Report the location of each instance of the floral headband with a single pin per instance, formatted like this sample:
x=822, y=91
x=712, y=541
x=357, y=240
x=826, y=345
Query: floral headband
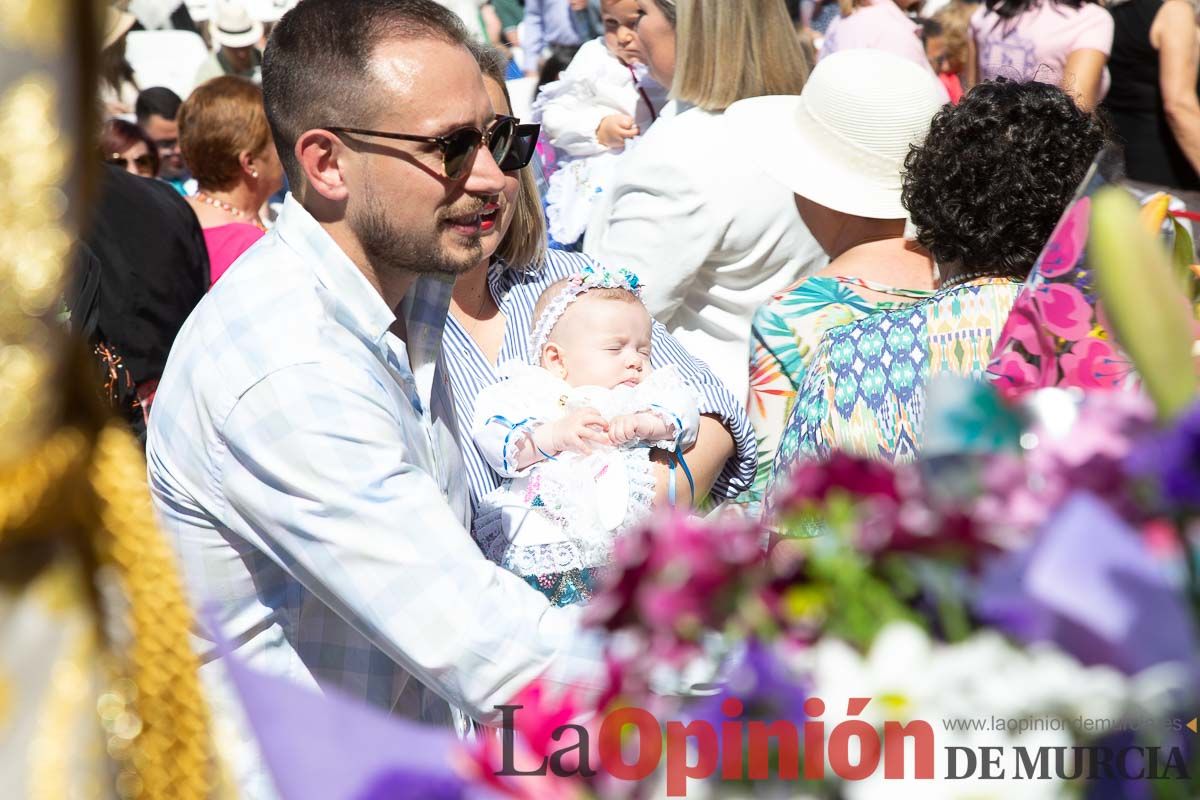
x=577, y=284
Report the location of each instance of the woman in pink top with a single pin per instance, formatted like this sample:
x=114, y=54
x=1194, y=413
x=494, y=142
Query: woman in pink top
x=1063, y=42
x=226, y=142
x=876, y=25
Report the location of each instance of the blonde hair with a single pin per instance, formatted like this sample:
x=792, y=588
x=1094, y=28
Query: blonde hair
x=729, y=51
x=847, y=7
x=524, y=243
x=955, y=20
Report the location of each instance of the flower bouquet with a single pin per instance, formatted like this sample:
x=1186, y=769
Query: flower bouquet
x=1014, y=615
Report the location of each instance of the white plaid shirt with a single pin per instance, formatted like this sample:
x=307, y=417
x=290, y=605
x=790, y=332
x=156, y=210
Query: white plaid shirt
x=304, y=462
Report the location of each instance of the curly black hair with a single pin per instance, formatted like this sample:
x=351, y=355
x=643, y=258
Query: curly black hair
x=987, y=186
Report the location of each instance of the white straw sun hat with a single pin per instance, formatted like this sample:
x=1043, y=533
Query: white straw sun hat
x=232, y=26
x=842, y=143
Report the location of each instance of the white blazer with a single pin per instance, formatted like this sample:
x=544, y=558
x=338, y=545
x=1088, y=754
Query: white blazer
x=710, y=235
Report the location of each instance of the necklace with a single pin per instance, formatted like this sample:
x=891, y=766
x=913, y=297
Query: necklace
x=228, y=208
x=966, y=277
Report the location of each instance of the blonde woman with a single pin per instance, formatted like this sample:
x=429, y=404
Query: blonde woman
x=689, y=210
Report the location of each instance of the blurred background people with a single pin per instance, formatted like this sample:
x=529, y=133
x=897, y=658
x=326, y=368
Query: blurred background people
x=235, y=37
x=603, y=100
x=550, y=39
x=118, y=85
x=140, y=269
x=876, y=24
x=126, y=146
x=227, y=143
x=1063, y=42
x=157, y=109
x=1152, y=103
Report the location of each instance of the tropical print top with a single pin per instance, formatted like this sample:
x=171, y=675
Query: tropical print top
x=864, y=392
x=783, y=339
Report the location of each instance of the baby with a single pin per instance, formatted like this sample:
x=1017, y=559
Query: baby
x=601, y=102
x=572, y=435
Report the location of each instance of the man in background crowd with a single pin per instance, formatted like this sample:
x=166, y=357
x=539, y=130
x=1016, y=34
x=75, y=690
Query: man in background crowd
x=236, y=35
x=157, y=108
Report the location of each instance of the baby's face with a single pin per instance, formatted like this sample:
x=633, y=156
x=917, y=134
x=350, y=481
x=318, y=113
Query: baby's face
x=620, y=20
x=604, y=342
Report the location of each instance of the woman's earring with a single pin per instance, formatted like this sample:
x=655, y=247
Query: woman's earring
x=253, y=173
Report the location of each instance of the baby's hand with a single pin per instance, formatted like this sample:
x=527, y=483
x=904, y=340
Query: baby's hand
x=615, y=129
x=640, y=426
x=572, y=432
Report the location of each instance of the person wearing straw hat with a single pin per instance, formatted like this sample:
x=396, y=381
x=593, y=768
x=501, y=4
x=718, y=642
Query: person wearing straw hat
x=236, y=35
x=840, y=148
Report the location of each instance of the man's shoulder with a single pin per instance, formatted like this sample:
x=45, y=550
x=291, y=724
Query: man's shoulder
x=266, y=314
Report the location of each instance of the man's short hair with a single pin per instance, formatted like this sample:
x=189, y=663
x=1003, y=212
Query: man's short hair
x=157, y=101
x=316, y=68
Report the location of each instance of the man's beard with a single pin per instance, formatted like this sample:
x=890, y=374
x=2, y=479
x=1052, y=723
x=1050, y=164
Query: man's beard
x=388, y=247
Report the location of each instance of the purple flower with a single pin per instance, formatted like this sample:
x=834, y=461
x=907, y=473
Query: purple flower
x=762, y=683
x=1089, y=584
x=1171, y=459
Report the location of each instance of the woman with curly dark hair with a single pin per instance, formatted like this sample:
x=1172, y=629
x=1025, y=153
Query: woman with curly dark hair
x=984, y=191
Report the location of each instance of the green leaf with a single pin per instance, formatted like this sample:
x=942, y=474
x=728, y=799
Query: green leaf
x=1152, y=319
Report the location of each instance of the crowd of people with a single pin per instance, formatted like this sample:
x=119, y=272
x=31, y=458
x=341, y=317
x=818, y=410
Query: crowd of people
x=429, y=361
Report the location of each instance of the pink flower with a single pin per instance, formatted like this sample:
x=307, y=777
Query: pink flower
x=1094, y=364
x=1013, y=376
x=1013, y=373
x=1063, y=310
x=1067, y=243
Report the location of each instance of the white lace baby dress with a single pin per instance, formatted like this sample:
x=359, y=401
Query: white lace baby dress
x=561, y=516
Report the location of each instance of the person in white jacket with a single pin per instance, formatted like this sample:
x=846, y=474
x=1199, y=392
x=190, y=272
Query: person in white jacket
x=602, y=101
x=711, y=234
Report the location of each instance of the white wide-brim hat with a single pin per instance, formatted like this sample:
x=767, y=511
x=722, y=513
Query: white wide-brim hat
x=843, y=141
x=232, y=26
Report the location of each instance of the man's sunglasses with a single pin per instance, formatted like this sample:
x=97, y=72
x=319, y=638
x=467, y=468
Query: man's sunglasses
x=459, y=147
x=143, y=163
x=524, y=145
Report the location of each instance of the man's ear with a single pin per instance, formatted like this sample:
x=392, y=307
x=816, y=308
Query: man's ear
x=322, y=159
x=552, y=361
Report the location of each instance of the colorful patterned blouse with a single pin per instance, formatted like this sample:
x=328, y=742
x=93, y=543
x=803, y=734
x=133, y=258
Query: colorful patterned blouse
x=864, y=392
x=784, y=337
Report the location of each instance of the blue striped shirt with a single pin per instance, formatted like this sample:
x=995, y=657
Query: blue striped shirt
x=515, y=293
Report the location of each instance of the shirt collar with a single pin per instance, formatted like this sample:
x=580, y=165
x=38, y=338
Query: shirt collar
x=357, y=304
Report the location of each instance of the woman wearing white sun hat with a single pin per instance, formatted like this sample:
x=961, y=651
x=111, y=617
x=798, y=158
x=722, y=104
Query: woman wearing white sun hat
x=839, y=148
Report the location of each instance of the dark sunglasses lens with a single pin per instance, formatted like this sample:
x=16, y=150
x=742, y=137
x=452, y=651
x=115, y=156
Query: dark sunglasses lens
x=115, y=162
x=502, y=138
x=460, y=151
x=523, y=146
x=144, y=162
